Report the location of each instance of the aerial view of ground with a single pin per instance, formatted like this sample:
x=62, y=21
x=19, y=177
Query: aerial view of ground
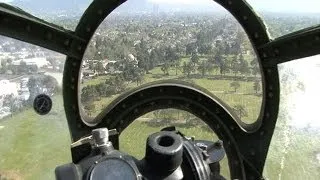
x=128, y=50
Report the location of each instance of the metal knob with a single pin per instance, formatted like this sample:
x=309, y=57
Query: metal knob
x=100, y=136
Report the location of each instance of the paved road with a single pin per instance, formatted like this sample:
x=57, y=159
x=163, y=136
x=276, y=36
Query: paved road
x=16, y=79
x=223, y=92
x=143, y=119
x=56, y=75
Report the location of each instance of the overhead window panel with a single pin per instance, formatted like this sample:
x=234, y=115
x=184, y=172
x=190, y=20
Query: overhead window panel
x=287, y=16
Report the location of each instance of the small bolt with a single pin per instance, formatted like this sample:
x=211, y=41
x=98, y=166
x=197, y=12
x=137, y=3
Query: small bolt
x=28, y=28
x=252, y=152
x=79, y=125
x=267, y=115
x=218, y=144
x=66, y=42
x=202, y=146
x=205, y=155
x=49, y=36
x=264, y=55
x=193, y=138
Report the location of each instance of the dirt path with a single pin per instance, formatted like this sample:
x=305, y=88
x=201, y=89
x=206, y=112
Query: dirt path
x=144, y=119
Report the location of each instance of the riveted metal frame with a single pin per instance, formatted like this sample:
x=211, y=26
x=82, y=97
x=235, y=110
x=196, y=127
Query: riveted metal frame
x=253, y=156
x=292, y=46
x=250, y=142
x=22, y=26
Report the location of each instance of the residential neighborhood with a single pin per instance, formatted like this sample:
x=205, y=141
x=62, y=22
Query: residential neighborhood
x=18, y=63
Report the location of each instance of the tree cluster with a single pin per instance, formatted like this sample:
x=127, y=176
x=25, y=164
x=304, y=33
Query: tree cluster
x=42, y=84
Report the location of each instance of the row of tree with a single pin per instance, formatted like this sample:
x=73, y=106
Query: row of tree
x=39, y=84
x=233, y=64
x=92, y=93
x=256, y=86
x=165, y=117
x=223, y=60
x=22, y=68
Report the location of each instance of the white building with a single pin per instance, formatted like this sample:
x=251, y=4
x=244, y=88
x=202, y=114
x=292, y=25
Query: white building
x=39, y=61
x=10, y=89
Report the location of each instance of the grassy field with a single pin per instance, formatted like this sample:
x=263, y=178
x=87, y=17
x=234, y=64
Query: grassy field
x=245, y=94
x=32, y=146
x=292, y=155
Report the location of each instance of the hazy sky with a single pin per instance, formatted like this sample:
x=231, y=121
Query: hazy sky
x=266, y=5
x=312, y=6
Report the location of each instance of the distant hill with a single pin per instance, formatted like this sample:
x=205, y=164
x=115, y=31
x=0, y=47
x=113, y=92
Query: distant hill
x=51, y=6
x=74, y=6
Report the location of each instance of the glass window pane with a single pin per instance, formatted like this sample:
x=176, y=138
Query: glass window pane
x=287, y=16
x=31, y=145
x=65, y=13
x=294, y=152
x=206, y=48
x=154, y=121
